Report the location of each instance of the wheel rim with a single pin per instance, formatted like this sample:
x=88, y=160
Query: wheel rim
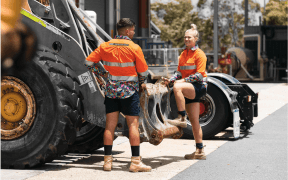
x=207, y=110
x=18, y=108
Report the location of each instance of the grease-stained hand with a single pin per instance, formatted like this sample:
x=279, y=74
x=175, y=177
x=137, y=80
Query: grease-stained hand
x=142, y=87
x=106, y=75
x=165, y=81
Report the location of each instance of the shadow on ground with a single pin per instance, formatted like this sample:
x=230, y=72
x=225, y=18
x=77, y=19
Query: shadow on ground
x=119, y=163
x=94, y=161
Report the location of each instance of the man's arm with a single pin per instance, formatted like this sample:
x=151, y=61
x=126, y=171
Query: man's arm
x=91, y=61
x=94, y=68
x=141, y=66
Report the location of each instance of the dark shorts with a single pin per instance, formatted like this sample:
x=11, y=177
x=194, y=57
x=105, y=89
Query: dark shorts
x=129, y=106
x=200, y=91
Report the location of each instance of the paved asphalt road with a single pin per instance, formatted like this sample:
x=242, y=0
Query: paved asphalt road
x=260, y=154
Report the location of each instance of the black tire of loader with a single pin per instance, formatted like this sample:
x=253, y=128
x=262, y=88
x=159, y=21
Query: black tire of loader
x=221, y=117
x=88, y=139
x=58, y=106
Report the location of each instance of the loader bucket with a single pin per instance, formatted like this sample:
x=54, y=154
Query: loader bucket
x=155, y=109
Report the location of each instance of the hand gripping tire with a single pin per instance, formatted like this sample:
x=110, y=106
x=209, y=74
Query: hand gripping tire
x=55, y=88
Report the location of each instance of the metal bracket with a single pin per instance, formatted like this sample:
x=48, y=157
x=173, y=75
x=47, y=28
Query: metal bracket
x=236, y=123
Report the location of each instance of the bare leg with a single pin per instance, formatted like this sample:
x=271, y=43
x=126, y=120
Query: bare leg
x=133, y=124
x=193, y=110
x=136, y=164
x=181, y=90
x=111, y=123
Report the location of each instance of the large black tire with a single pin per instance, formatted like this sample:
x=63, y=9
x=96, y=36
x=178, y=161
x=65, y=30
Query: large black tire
x=88, y=139
x=217, y=117
x=58, y=112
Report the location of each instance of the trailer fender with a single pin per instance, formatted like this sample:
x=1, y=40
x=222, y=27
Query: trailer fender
x=224, y=77
x=230, y=95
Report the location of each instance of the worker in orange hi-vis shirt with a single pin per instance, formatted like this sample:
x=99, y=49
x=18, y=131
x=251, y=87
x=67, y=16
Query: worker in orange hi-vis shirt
x=189, y=85
x=126, y=70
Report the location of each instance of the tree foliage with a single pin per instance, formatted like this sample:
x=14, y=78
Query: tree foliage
x=276, y=12
x=175, y=17
x=253, y=8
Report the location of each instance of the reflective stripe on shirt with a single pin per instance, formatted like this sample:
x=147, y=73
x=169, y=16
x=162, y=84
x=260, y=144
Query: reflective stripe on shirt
x=117, y=44
x=123, y=78
x=143, y=73
x=119, y=64
x=188, y=67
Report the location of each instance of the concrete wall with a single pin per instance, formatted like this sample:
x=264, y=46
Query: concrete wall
x=128, y=9
x=99, y=7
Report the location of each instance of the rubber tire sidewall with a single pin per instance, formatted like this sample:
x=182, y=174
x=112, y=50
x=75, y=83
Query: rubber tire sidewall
x=40, y=139
x=91, y=139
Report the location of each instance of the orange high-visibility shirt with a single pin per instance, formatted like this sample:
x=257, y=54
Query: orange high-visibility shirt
x=121, y=58
x=192, y=61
